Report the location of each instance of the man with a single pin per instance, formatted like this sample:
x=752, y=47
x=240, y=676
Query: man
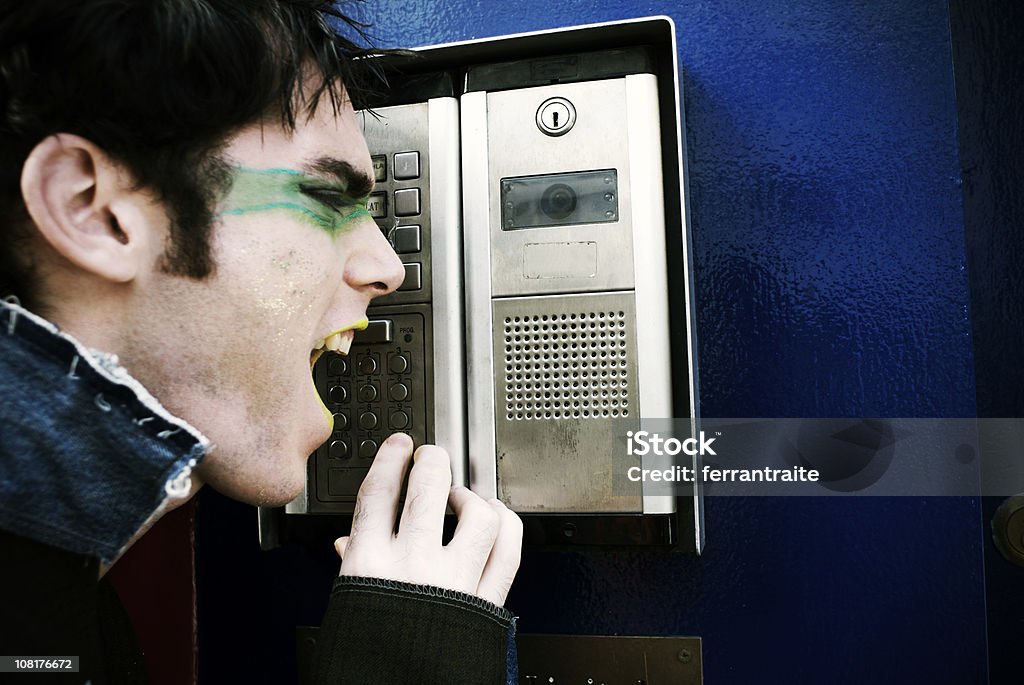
x=182, y=194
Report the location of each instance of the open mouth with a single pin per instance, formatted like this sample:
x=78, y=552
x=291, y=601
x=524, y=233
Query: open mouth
x=339, y=342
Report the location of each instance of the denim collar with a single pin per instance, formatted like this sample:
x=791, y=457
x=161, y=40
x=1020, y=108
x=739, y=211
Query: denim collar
x=86, y=453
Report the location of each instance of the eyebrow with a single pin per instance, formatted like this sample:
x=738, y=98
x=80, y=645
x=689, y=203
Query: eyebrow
x=356, y=181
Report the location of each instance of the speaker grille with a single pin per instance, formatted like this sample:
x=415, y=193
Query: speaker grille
x=566, y=366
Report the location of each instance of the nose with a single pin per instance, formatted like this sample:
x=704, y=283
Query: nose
x=373, y=267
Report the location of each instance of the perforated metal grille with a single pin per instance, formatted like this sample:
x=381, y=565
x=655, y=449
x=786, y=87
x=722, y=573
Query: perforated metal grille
x=566, y=366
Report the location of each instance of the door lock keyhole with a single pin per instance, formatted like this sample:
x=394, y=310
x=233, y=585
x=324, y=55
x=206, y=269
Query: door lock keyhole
x=556, y=116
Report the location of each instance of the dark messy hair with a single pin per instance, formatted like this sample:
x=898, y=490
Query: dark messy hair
x=160, y=85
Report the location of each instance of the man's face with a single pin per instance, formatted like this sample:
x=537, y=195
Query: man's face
x=298, y=260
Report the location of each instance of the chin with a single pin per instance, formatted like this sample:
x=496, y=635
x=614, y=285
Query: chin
x=259, y=487
x=276, y=500
x=276, y=494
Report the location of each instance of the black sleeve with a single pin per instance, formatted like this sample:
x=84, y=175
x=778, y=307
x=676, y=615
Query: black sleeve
x=382, y=632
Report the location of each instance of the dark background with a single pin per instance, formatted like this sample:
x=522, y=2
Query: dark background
x=989, y=65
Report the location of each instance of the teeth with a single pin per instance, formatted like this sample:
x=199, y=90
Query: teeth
x=345, y=344
x=338, y=342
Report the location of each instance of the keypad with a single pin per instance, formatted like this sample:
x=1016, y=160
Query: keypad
x=379, y=388
x=383, y=384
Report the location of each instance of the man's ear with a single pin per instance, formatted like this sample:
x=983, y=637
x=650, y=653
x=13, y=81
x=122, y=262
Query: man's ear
x=83, y=204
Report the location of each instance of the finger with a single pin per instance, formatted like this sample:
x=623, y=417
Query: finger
x=340, y=545
x=475, y=533
x=426, y=497
x=377, y=501
x=506, y=553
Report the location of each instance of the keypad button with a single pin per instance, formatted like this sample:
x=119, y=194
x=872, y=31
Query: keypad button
x=377, y=205
x=398, y=364
x=344, y=482
x=413, y=277
x=367, y=393
x=367, y=365
x=399, y=392
x=367, y=449
x=399, y=420
x=380, y=167
x=406, y=239
x=407, y=165
x=407, y=202
x=340, y=421
x=368, y=420
x=338, y=449
x=376, y=332
x=338, y=394
x=338, y=366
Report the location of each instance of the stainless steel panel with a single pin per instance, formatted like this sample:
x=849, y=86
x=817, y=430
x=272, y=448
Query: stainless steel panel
x=479, y=353
x=655, y=359
x=565, y=376
x=444, y=201
x=517, y=147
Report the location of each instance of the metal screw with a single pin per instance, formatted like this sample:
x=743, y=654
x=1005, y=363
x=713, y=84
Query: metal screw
x=684, y=656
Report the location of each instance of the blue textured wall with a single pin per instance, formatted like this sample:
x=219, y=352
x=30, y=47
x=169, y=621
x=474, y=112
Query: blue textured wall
x=829, y=246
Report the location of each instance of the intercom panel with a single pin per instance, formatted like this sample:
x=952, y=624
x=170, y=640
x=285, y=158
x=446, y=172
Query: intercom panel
x=567, y=179
x=534, y=188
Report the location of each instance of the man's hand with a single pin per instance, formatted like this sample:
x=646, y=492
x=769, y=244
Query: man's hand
x=482, y=557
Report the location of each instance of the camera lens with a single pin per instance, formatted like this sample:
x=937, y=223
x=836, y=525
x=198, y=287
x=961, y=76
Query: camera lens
x=558, y=201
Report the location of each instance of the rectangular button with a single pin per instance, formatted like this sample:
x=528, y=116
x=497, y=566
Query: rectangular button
x=379, y=331
x=413, y=279
x=380, y=167
x=407, y=165
x=406, y=239
x=377, y=205
x=407, y=202
x=344, y=481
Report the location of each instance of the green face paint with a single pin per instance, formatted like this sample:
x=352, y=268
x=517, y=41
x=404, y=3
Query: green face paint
x=322, y=203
